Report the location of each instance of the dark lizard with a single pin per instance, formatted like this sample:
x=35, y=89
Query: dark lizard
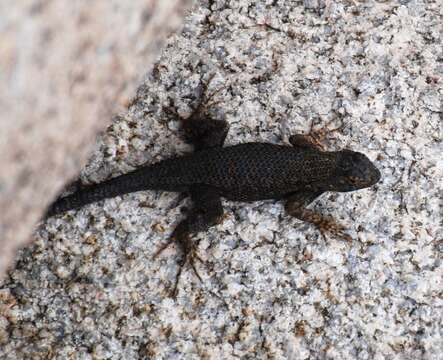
x=297, y=174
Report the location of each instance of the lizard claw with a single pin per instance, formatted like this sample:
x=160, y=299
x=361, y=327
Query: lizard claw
x=317, y=136
x=189, y=255
x=187, y=259
x=327, y=224
x=189, y=252
x=163, y=248
x=324, y=223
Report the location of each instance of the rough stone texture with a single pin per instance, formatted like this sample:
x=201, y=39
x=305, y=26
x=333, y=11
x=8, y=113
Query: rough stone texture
x=65, y=67
x=272, y=287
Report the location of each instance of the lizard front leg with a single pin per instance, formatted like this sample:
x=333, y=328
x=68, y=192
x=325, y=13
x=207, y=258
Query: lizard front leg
x=313, y=139
x=207, y=211
x=304, y=142
x=296, y=206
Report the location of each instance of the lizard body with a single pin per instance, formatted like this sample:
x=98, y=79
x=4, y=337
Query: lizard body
x=244, y=172
x=254, y=171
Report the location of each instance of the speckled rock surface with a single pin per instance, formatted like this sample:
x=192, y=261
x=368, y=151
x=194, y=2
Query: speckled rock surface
x=273, y=287
x=65, y=67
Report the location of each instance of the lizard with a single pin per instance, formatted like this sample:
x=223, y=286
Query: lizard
x=297, y=173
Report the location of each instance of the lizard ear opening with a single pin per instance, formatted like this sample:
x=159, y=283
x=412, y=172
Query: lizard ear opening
x=347, y=161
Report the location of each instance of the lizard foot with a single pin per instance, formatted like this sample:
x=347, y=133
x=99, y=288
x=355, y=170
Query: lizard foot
x=201, y=130
x=188, y=258
x=325, y=224
x=206, y=99
x=317, y=136
x=189, y=255
x=207, y=211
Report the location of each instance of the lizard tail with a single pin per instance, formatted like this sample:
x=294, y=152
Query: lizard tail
x=131, y=182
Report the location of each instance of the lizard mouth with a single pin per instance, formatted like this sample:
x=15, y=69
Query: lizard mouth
x=377, y=175
x=373, y=175
x=370, y=173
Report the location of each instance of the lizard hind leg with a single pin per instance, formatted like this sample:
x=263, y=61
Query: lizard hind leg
x=207, y=211
x=204, y=133
x=199, y=129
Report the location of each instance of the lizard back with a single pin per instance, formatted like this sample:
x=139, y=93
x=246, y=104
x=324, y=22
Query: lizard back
x=258, y=171
x=243, y=172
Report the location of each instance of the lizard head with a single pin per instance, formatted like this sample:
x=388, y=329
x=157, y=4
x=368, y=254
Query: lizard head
x=355, y=171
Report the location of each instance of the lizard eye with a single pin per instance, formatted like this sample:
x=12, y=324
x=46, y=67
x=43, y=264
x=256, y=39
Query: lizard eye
x=346, y=166
x=350, y=161
x=354, y=180
x=347, y=162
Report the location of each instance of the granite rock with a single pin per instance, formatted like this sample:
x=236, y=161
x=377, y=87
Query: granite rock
x=273, y=287
x=65, y=68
